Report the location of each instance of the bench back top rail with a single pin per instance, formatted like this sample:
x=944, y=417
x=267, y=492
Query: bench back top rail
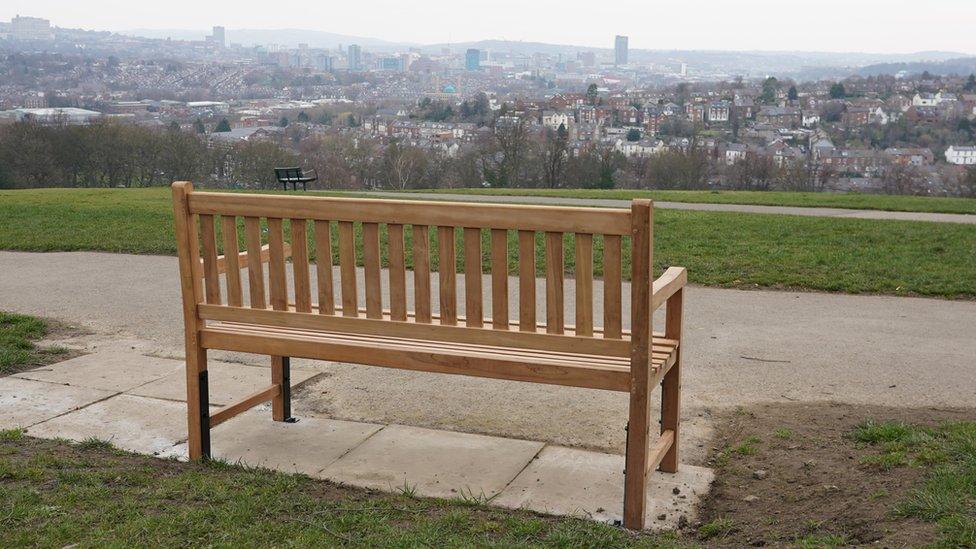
x=437, y=238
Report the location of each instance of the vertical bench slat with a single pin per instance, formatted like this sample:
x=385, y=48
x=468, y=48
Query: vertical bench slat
x=499, y=279
x=371, y=268
x=584, y=284
x=398, y=274
x=421, y=273
x=447, y=275
x=299, y=265
x=473, y=308
x=554, y=283
x=228, y=226
x=255, y=268
x=347, y=268
x=611, y=287
x=277, y=281
x=323, y=266
x=210, y=274
x=527, y=281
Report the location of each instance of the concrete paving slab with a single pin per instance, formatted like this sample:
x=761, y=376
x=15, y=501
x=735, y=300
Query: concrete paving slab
x=229, y=382
x=137, y=424
x=435, y=463
x=111, y=370
x=307, y=446
x=25, y=402
x=569, y=481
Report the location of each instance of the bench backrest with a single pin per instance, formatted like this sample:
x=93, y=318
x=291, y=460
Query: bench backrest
x=288, y=174
x=435, y=238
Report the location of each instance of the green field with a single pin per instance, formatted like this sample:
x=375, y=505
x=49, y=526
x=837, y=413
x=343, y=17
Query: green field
x=855, y=201
x=718, y=248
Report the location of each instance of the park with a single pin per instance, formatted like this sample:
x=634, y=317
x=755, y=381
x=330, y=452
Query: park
x=637, y=368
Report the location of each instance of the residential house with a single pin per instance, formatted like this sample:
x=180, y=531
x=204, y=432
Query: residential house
x=961, y=156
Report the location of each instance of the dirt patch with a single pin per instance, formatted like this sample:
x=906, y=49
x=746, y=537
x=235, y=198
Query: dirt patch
x=36, y=343
x=790, y=474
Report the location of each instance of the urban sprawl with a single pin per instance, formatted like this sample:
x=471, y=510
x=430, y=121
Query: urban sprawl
x=86, y=108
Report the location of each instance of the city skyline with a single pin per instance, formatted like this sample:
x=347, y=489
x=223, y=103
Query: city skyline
x=754, y=25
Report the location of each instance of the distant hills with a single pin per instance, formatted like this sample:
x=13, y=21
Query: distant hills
x=960, y=66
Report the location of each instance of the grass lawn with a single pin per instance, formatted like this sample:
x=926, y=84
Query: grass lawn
x=18, y=350
x=56, y=494
x=855, y=201
x=718, y=248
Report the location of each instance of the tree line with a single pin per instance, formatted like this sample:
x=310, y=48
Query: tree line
x=513, y=154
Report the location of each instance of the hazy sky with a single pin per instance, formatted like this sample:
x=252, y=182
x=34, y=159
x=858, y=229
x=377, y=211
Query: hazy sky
x=884, y=26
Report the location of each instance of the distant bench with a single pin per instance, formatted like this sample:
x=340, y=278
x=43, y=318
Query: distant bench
x=295, y=176
x=390, y=335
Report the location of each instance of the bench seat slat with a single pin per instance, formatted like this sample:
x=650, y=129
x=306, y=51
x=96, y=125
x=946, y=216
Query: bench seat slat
x=408, y=356
x=418, y=330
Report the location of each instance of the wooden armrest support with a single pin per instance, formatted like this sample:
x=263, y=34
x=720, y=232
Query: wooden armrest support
x=670, y=282
x=242, y=258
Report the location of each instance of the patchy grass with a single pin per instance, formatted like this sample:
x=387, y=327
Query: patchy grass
x=855, y=201
x=18, y=350
x=718, y=248
x=948, y=454
x=54, y=494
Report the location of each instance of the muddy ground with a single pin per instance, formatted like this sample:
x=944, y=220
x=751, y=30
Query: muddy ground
x=789, y=474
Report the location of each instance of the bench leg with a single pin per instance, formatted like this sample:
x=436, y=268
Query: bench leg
x=635, y=474
x=281, y=376
x=670, y=410
x=671, y=384
x=197, y=404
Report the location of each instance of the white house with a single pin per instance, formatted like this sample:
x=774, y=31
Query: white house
x=961, y=156
x=553, y=119
x=735, y=152
x=925, y=100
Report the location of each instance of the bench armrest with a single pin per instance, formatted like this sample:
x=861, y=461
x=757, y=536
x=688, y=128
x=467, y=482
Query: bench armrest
x=242, y=258
x=670, y=282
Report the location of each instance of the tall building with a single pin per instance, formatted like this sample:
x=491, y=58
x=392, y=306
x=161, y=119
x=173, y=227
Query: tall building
x=30, y=28
x=472, y=59
x=219, y=37
x=355, y=57
x=620, y=50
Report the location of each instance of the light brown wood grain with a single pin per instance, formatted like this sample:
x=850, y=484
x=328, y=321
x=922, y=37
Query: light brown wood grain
x=373, y=286
x=638, y=424
x=584, y=284
x=277, y=280
x=447, y=275
x=211, y=276
x=255, y=268
x=555, y=307
x=299, y=265
x=232, y=260
x=612, y=315
x=347, y=268
x=416, y=212
x=323, y=266
x=527, y=281
x=398, y=273
x=472, y=278
x=421, y=272
x=499, y=279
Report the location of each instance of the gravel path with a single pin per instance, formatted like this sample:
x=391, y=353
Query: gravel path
x=608, y=203
x=743, y=347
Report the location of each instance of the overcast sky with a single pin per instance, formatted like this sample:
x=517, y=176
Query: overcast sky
x=882, y=26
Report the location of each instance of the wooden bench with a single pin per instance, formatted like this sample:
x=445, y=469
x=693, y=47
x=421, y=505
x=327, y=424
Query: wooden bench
x=295, y=176
x=285, y=322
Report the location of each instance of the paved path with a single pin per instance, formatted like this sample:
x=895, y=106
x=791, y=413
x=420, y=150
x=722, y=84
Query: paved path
x=608, y=203
x=743, y=347
x=135, y=402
